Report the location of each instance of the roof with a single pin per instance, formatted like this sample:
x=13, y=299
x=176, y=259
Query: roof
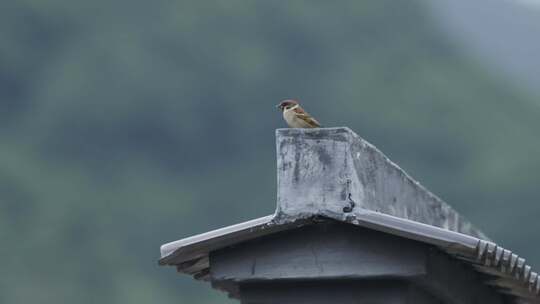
x=504, y=270
x=332, y=173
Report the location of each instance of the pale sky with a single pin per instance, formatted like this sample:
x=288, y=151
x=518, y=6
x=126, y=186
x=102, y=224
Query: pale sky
x=501, y=34
x=535, y=3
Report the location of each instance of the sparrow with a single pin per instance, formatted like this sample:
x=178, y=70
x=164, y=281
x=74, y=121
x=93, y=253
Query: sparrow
x=295, y=116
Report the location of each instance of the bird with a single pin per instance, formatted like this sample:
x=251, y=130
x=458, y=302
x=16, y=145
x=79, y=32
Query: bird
x=295, y=116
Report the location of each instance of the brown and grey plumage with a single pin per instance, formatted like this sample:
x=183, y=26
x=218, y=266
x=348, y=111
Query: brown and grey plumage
x=295, y=116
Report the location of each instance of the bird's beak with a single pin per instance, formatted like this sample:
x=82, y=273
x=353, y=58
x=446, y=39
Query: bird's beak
x=279, y=106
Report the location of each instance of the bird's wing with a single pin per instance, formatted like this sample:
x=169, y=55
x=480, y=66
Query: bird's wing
x=312, y=122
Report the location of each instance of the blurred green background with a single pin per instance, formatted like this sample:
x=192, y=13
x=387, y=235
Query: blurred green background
x=128, y=124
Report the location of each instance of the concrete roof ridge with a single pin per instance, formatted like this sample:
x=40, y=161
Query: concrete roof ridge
x=323, y=169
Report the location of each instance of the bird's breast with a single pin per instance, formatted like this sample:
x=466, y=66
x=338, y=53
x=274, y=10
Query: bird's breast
x=292, y=120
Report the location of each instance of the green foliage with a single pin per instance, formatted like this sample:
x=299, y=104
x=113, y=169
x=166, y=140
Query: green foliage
x=127, y=124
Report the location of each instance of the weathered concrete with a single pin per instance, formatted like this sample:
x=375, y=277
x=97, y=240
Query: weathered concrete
x=327, y=171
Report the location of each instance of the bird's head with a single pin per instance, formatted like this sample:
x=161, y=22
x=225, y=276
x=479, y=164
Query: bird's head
x=287, y=104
